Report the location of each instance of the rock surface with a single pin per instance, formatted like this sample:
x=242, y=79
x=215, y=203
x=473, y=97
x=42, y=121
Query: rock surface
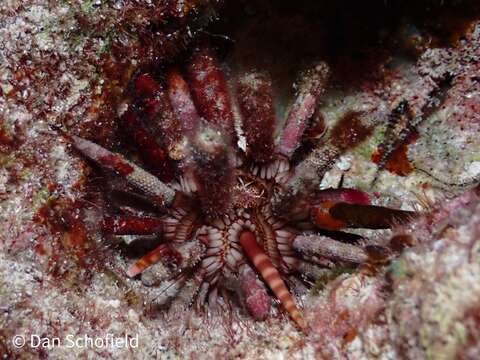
x=68, y=63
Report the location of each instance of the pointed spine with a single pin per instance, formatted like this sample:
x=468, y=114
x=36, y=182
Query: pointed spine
x=169, y=289
x=148, y=260
x=271, y=276
x=136, y=176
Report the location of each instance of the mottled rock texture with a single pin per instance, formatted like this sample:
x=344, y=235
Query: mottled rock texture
x=68, y=63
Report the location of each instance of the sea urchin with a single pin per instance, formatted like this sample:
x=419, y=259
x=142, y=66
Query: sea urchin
x=235, y=205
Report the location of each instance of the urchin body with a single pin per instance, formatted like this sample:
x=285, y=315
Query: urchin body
x=234, y=208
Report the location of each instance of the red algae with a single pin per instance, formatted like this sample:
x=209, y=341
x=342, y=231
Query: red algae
x=350, y=131
x=398, y=162
x=117, y=164
x=124, y=225
x=257, y=300
x=70, y=236
x=6, y=141
x=146, y=86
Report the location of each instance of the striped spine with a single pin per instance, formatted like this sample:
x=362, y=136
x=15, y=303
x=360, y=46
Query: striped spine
x=148, y=260
x=271, y=276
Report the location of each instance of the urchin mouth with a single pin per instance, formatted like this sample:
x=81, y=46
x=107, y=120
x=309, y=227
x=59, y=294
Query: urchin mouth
x=249, y=192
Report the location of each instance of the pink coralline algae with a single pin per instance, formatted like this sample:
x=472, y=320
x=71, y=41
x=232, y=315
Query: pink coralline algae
x=214, y=176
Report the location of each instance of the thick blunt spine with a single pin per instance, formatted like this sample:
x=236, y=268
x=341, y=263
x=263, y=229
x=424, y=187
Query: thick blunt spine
x=369, y=216
x=150, y=151
x=154, y=104
x=182, y=102
x=351, y=130
x=214, y=171
x=310, y=88
x=257, y=299
x=255, y=99
x=317, y=245
x=210, y=91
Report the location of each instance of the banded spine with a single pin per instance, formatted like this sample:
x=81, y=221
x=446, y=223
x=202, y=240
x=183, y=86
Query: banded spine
x=271, y=276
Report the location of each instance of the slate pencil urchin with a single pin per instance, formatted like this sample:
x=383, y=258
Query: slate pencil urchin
x=234, y=202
